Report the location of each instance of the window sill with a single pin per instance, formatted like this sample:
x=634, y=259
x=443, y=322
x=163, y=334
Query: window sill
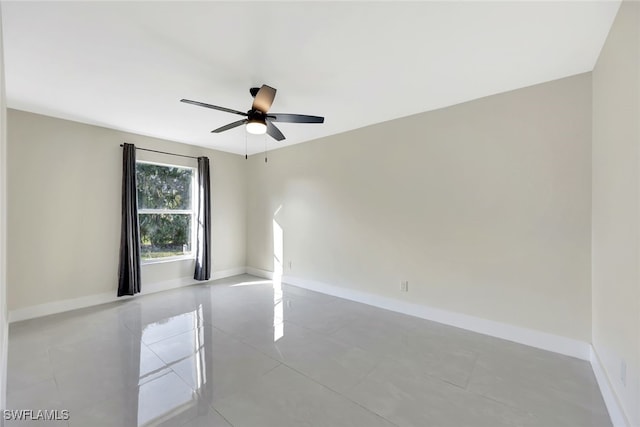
x=166, y=260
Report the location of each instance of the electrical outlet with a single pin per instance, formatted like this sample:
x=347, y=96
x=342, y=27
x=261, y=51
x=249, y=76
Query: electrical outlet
x=404, y=286
x=623, y=372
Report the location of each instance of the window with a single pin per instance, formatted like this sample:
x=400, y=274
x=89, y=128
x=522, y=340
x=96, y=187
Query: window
x=165, y=210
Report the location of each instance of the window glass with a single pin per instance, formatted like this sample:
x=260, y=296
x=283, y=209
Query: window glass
x=165, y=210
x=163, y=187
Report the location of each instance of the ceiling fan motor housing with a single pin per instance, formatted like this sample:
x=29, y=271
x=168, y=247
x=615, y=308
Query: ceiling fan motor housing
x=256, y=115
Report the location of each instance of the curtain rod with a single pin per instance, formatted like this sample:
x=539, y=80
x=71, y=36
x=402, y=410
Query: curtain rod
x=164, y=152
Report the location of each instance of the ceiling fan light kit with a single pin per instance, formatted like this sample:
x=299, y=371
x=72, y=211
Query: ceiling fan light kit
x=256, y=127
x=258, y=121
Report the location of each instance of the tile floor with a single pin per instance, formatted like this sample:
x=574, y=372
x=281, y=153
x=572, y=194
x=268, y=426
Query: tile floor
x=246, y=352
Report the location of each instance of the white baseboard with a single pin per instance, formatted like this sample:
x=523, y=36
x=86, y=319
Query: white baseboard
x=530, y=337
x=223, y=274
x=259, y=273
x=618, y=418
x=54, y=307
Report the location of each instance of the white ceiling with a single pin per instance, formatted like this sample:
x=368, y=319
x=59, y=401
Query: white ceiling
x=125, y=65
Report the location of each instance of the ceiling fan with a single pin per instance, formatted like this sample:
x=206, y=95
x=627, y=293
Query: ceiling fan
x=258, y=119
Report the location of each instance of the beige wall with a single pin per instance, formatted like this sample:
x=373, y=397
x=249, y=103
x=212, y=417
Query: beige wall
x=4, y=317
x=484, y=207
x=616, y=207
x=64, y=209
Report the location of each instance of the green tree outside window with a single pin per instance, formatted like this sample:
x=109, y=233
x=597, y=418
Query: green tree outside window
x=165, y=210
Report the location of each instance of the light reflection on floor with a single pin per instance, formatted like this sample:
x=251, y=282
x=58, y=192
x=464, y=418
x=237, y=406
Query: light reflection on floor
x=157, y=399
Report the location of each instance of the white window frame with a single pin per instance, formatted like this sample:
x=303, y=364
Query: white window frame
x=193, y=211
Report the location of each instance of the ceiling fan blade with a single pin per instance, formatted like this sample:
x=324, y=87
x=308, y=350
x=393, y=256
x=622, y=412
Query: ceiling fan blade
x=264, y=98
x=215, y=107
x=295, y=118
x=274, y=132
x=230, y=126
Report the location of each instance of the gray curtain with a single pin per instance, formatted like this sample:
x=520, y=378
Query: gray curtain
x=203, y=248
x=129, y=269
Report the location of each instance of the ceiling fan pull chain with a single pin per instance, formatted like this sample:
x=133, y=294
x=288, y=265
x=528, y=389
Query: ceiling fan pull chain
x=265, y=148
x=245, y=146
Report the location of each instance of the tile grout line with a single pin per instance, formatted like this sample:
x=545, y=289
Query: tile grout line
x=338, y=393
x=283, y=363
x=473, y=369
x=379, y=359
